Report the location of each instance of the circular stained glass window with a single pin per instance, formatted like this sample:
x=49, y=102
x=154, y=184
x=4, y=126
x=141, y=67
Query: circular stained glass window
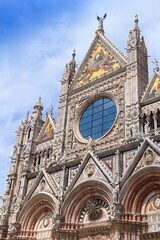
x=97, y=118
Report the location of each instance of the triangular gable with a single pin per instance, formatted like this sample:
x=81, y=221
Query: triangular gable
x=153, y=90
x=147, y=154
x=101, y=59
x=43, y=183
x=48, y=130
x=89, y=169
x=149, y=157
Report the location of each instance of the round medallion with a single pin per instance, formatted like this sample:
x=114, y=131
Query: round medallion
x=148, y=157
x=90, y=169
x=97, y=119
x=156, y=202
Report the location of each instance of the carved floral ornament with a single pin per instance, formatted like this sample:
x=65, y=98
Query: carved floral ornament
x=132, y=112
x=94, y=209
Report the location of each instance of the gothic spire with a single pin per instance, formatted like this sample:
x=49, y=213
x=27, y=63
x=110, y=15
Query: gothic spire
x=136, y=27
x=72, y=63
x=27, y=116
x=37, y=109
x=72, y=67
x=51, y=111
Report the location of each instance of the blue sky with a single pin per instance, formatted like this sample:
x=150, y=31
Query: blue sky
x=37, y=38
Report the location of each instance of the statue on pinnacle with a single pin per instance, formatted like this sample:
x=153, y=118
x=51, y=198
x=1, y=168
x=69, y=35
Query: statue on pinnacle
x=100, y=20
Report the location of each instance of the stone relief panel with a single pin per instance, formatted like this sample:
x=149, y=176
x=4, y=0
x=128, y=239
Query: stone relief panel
x=132, y=121
x=128, y=158
x=58, y=177
x=43, y=227
x=72, y=173
x=30, y=184
x=107, y=163
x=43, y=187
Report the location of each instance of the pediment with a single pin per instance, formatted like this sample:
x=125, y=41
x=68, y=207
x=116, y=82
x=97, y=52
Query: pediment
x=147, y=155
x=43, y=183
x=101, y=59
x=48, y=130
x=149, y=158
x=153, y=90
x=90, y=169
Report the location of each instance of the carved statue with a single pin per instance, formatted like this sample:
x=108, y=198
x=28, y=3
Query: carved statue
x=146, y=128
x=9, y=181
x=5, y=199
x=3, y=215
x=60, y=199
x=15, y=152
x=116, y=181
x=57, y=154
x=156, y=67
x=90, y=143
x=42, y=185
x=12, y=232
x=100, y=20
x=13, y=166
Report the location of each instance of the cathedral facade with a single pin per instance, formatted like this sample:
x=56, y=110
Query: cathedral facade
x=94, y=173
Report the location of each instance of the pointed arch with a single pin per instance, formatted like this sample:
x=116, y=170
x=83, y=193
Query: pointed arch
x=76, y=200
x=37, y=213
x=138, y=187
